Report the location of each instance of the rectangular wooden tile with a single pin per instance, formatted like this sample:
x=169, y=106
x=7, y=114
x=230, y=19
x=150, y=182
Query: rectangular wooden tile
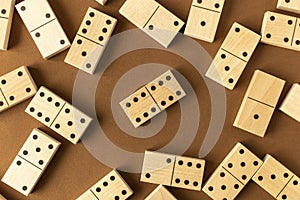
x=6, y=16
x=158, y=168
x=16, y=87
x=165, y=90
x=241, y=163
x=90, y=41
x=291, y=103
x=160, y=193
x=188, y=173
x=45, y=29
x=272, y=176
x=289, y=5
x=140, y=107
x=222, y=185
x=281, y=30
x=112, y=186
x=291, y=190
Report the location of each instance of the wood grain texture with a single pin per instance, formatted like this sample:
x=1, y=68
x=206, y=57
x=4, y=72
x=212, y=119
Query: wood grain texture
x=90, y=41
x=188, y=173
x=6, y=17
x=291, y=103
x=57, y=114
x=259, y=103
x=30, y=163
x=291, y=190
x=272, y=176
x=241, y=163
x=165, y=90
x=291, y=5
x=281, y=30
x=45, y=29
x=112, y=186
x=160, y=193
x=222, y=185
x=158, y=168
x=233, y=56
x=204, y=19
x=16, y=87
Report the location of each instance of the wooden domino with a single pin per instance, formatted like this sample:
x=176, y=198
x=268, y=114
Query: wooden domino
x=291, y=103
x=155, y=20
x=281, y=30
x=233, y=56
x=160, y=193
x=204, y=19
x=102, y=2
x=112, y=186
x=2, y=197
x=235, y=171
x=6, y=16
x=31, y=162
x=90, y=41
x=291, y=190
x=259, y=103
x=57, y=114
x=289, y=5
x=16, y=87
x=43, y=26
x=273, y=176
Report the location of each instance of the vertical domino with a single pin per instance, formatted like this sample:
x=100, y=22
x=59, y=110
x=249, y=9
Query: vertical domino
x=289, y=5
x=153, y=19
x=90, y=41
x=281, y=30
x=259, y=103
x=57, y=114
x=233, y=56
x=291, y=103
x=204, y=19
x=16, y=87
x=6, y=16
x=31, y=161
x=160, y=193
x=112, y=186
x=43, y=26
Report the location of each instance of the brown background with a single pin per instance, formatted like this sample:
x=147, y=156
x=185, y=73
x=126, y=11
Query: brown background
x=73, y=169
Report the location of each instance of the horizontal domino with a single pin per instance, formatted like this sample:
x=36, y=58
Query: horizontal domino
x=235, y=171
x=160, y=193
x=204, y=19
x=172, y=170
x=90, y=41
x=291, y=103
x=233, y=56
x=289, y=5
x=59, y=115
x=112, y=186
x=259, y=103
x=31, y=162
x=44, y=28
x=281, y=30
x=6, y=16
x=16, y=87
x=155, y=20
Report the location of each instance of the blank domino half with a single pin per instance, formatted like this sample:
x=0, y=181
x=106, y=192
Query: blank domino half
x=160, y=193
x=289, y=5
x=112, y=186
x=59, y=115
x=291, y=103
x=233, y=56
x=6, y=16
x=90, y=41
x=153, y=19
x=31, y=161
x=259, y=103
x=43, y=26
x=281, y=30
x=16, y=87
x=204, y=19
